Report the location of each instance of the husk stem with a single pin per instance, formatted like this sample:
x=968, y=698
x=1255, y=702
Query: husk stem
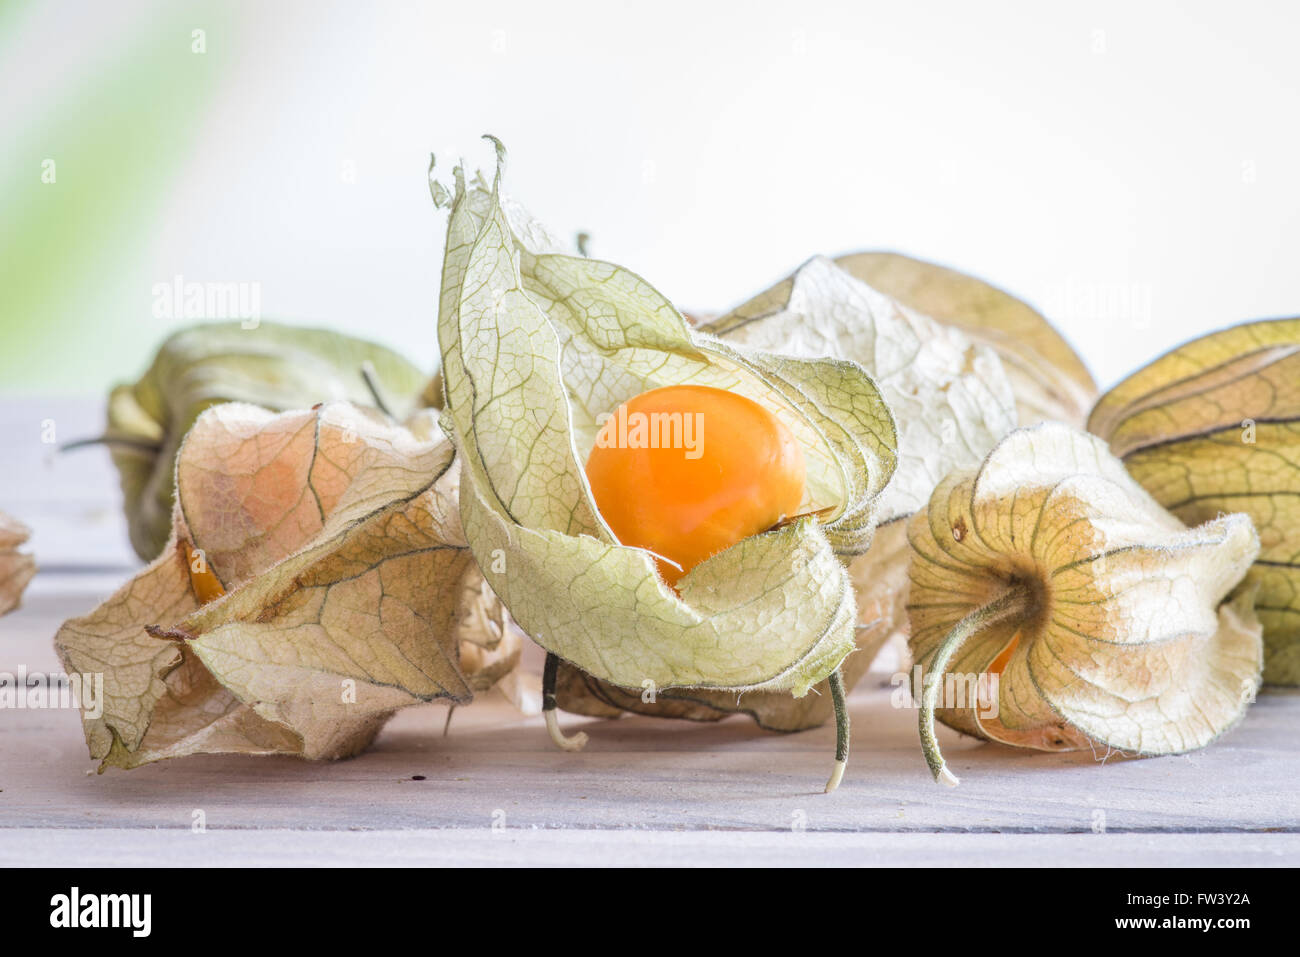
x=1015, y=600
x=111, y=443
x=565, y=742
x=841, y=731
x=371, y=378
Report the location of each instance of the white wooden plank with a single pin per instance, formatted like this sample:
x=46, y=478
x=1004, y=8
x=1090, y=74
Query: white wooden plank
x=599, y=848
x=71, y=501
x=642, y=773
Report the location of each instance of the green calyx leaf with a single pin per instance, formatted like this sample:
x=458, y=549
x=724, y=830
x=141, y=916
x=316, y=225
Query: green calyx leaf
x=537, y=346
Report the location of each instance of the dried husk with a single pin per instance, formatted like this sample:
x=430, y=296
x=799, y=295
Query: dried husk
x=273, y=366
x=951, y=400
x=313, y=584
x=16, y=567
x=1214, y=426
x=536, y=345
x=1115, y=635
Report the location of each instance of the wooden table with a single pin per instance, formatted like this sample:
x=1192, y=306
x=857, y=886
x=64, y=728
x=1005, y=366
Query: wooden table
x=644, y=792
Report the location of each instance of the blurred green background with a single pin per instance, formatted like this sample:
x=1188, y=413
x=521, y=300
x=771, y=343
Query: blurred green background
x=86, y=181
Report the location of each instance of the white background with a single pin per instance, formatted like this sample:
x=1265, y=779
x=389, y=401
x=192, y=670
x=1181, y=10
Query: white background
x=1128, y=168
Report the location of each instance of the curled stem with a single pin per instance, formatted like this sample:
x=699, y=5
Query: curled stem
x=574, y=743
x=841, y=731
x=1011, y=602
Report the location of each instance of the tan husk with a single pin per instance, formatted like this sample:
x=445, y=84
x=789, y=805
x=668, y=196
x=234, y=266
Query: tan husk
x=1111, y=629
x=332, y=543
x=16, y=568
x=1214, y=426
x=1050, y=381
x=273, y=366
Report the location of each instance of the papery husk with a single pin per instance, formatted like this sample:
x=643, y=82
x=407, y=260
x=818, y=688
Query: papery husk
x=1214, y=426
x=1050, y=381
x=536, y=345
x=952, y=401
x=313, y=585
x=1123, y=639
x=16, y=567
x=274, y=366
